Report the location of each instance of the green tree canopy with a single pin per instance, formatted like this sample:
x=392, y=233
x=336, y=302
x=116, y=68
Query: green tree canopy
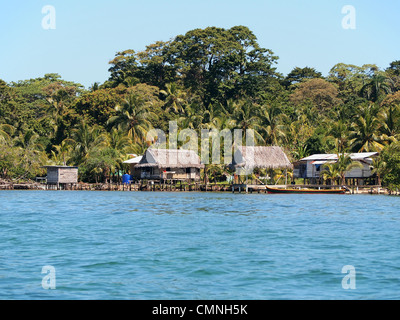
x=319, y=92
x=298, y=75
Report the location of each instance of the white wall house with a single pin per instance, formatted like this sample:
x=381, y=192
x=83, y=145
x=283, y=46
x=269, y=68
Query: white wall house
x=312, y=166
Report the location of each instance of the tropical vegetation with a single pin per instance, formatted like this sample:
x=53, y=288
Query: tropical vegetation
x=211, y=78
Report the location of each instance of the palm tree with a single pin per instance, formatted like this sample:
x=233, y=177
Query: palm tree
x=330, y=172
x=219, y=117
x=85, y=138
x=213, y=172
x=31, y=151
x=390, y=122
x=272, y=119
x=6, y=131
x=59, y=98
x=63, y=153
x=8, y=155
x=246, y=116
x=115, y=143
x=191, y=117
x=138, y=147
x=337, y=170
x=297, y=133
x=338, y=130
x=300, y=152
x=94, y=87
x=134, y=116
x=345, y=164
x=130, y=81
x=175, y=98
x=379, y=168
x=97, y=171
x=211, y=116
x=376, y=87
x=365, y=130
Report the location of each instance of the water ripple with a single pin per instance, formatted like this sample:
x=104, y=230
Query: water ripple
x=161, y=245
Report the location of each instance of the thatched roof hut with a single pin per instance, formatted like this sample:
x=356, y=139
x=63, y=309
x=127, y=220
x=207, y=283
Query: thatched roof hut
x=272, y=157
x=170, y=158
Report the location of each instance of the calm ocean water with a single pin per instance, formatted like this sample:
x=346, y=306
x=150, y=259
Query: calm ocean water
x=161, y=245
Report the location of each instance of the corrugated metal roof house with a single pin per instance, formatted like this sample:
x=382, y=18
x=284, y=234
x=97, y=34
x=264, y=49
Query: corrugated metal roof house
x=311, y=166
x=133, y=162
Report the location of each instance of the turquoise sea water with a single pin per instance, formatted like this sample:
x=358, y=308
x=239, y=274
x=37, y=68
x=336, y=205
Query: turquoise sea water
x=163, y=245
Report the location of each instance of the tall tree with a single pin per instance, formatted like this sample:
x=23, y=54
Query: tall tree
x=175, y=98
x=85, y=139
x=390, y=122
x=346, y=164
x=393, y=74
x=375, y=89
x=379, y=168
x=63, y=152
x=98, y=106
x=320, y=93
x=337, y=128
x=331, y=172
x=391, y=156
x=123, y=68
x=134, y=116
x=272, y=120
x=394, y=67
x=364, y=134
x=221, y=63
x=298, y=75
x=32, y=155
x=246, y=116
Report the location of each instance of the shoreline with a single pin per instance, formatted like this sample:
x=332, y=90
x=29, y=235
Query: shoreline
x=195, y=187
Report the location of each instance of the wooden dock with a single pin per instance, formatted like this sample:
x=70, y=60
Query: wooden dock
x=248, y=188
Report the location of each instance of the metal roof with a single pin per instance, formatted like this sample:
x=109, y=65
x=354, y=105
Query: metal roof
x=362, y=155
x=333, y=156
x=134, y=160
x=322, y=162
x=321, y=157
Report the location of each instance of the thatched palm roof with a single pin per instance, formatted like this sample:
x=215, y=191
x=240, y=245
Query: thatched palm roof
x=261, y=157
x=170, y=158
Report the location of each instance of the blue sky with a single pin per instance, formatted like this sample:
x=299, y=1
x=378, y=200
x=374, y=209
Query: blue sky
x=88, y=33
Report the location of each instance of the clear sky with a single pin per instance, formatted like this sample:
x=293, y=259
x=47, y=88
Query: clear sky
x=88, y=33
